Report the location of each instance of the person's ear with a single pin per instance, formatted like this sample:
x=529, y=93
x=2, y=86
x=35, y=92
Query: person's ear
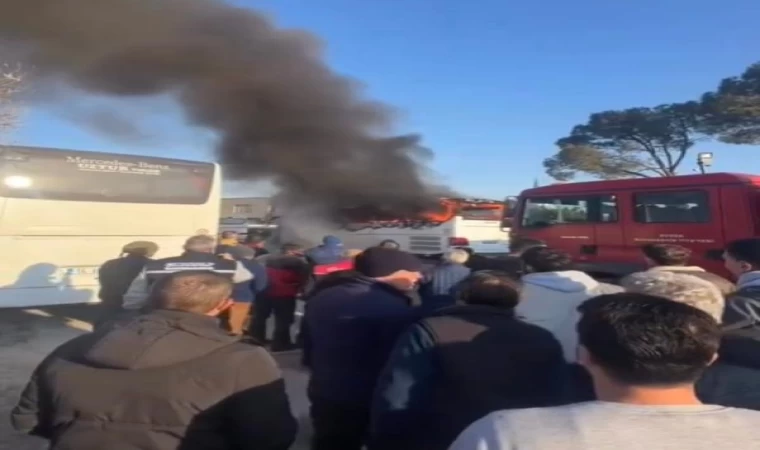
x=223, y=306
x=403, y=279
x=584, y=357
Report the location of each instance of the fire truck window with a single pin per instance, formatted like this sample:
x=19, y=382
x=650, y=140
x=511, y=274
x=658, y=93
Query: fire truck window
x=541, y=212
x=672, y=207
x=608, y=209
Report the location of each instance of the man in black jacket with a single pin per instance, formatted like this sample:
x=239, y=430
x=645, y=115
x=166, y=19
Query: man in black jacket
x=167, y=380
x=352, y=320
x=461, y=363
x=116, y=275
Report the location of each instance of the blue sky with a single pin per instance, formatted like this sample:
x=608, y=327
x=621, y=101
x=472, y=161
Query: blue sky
x=492, y=86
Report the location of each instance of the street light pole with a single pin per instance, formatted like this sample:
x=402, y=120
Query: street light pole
x=704, y=159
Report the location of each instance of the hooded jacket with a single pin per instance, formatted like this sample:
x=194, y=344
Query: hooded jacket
x=154, y=382
x=330, y=252
x=551, y=299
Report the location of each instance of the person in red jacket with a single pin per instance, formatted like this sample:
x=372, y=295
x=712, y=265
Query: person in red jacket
x=346, y=264
x=288, y=275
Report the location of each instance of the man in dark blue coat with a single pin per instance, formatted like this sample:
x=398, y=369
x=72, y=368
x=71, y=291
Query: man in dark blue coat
x=351, y=324
x=330, y=252
x=461, y=363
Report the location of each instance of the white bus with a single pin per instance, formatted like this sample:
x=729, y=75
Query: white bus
x=473, y=223
x=65, y=212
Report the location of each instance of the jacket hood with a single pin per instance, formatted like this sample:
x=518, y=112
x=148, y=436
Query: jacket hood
x=568, y=281
x=749, y=279
x=153, y=340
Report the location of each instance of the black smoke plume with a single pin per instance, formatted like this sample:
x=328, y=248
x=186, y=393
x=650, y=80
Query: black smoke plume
x=279, y=111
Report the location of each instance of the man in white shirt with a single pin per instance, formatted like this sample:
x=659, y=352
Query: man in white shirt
x=644, y=354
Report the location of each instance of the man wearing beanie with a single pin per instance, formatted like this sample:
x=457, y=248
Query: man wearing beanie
x=351, y=324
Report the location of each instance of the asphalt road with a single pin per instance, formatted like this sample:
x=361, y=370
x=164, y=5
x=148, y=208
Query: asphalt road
x=28, y=335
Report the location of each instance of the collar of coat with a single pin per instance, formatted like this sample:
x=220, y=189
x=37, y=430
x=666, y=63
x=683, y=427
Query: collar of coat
x=473, y=310
x=351, y=276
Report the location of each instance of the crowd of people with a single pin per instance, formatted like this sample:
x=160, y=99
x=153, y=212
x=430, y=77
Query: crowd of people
x=521, y=352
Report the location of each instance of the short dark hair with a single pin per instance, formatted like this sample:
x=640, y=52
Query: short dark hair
x=745, y=250
x=291, y=247
x=389, y=243
x=667, y=254
x=490, y=287
x=519, y=245
x=229, y=234
x=140, y=248
x=645, y=340
x=191, y=291
x=378, y=262
x=545, y=259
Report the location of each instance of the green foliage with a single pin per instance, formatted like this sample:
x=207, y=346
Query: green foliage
x=635, y=142
x=732, y=112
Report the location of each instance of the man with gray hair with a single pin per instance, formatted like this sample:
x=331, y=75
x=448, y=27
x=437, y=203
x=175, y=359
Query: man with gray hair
x=199, y=255
x=675, y=258
x=680, y=287
x=438, y=290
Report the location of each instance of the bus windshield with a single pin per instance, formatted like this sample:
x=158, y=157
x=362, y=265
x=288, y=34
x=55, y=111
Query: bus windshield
x=98, y=177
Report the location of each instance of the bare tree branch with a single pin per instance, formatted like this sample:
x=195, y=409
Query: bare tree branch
x=13, y=81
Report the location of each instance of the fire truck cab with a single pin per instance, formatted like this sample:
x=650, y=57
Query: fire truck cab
x=604, y=224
